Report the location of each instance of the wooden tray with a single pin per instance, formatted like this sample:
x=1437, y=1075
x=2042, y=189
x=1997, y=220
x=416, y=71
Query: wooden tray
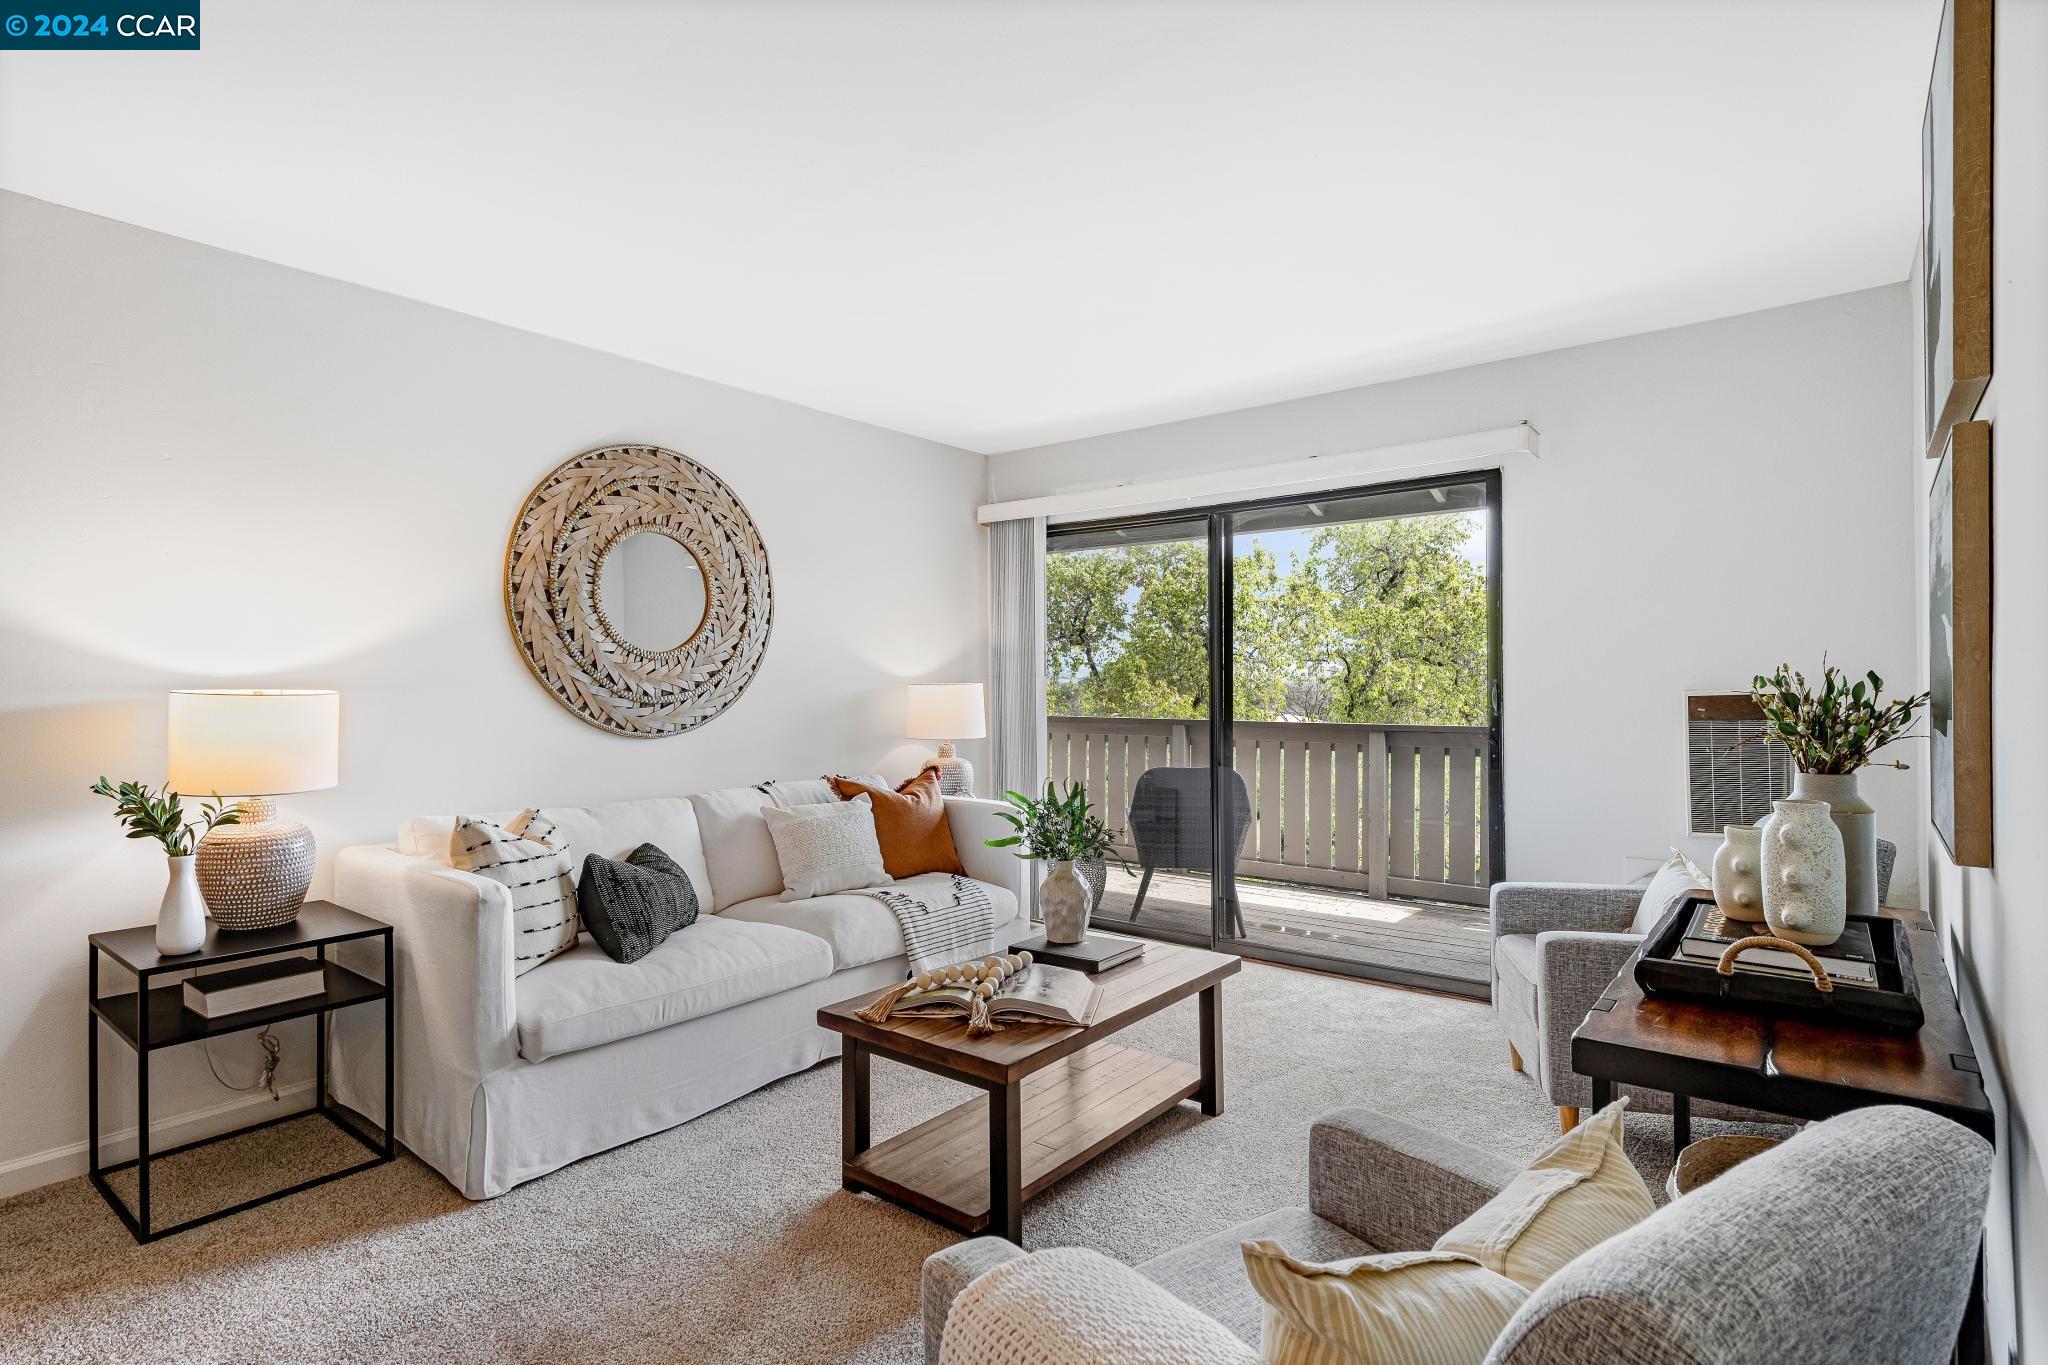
x=1893, y=1005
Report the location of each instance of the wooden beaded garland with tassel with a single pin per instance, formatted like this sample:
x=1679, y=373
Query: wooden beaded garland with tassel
x=983, y=977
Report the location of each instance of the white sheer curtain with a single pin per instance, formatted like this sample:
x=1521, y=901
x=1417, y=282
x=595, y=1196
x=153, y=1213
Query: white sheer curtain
x=1016, y=585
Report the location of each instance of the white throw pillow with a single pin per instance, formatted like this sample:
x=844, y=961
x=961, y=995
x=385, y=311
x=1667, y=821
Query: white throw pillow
x=1569, y=1200
x=826, y=848
x=1400, y=1308
x=737, y=849
x=533, y=862
x=1673, y=880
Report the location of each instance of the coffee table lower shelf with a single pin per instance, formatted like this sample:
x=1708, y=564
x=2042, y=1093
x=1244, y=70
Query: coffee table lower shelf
x=1074, y=1110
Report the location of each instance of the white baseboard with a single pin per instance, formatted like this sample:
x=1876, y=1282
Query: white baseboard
x=118, y=1144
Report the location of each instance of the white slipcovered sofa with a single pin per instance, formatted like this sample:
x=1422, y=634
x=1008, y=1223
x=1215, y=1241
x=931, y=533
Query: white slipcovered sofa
x=501, y=1080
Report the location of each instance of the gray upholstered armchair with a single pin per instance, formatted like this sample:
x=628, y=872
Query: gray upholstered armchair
x=1853, y=1242
x=1556, y=945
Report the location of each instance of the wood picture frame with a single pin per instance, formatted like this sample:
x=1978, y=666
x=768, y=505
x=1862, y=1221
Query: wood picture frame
x=1959, y=646
x=1955, y=222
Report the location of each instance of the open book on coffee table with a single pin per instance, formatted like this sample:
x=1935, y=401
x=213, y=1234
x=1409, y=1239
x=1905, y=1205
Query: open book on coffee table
x=1039, y=994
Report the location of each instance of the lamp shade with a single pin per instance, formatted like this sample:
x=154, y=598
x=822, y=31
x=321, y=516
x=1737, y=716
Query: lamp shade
x=253, y=743
x=947, y=711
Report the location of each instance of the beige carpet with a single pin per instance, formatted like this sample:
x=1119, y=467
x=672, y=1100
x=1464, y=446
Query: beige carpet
x=727, y=1239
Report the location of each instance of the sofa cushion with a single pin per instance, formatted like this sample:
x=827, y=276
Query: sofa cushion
x=583, y=998
x=1211, y=1272
x=1392, y=1308
x=910, y=822
x=611, y=830
x=1678, y=876
x=737, y=846
x=533, y=862
x=1579, y=1193
x=1071, y=1305
x=631, y=906
x=859, y=929
x=826, y=848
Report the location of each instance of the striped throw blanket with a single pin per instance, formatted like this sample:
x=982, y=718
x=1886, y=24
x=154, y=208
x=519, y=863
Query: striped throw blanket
x=944, y=917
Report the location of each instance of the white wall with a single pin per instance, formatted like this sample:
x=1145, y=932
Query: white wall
x=222, y=472
x=1711, y=500
x=1994, y=920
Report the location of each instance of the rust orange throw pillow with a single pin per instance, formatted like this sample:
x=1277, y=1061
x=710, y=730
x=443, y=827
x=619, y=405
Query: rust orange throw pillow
x=910, y=824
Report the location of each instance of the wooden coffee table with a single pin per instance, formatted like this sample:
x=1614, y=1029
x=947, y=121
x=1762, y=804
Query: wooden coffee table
x=1056, y=1097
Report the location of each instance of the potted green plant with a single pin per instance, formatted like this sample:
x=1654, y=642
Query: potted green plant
x=160, y=815
x=1061, y=830
x=1833, y=731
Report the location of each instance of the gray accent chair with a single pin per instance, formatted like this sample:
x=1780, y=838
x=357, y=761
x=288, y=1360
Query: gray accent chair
x=1556, y=946
x=1853, y=1243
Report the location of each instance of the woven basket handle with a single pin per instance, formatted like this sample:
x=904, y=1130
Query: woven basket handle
x=1726, y=967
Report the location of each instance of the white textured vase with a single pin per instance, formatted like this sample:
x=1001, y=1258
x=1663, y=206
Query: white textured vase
x=1738, y=873
x=181, y=919
x=1857, y=821
x=1804, y=896
x=1063, y=901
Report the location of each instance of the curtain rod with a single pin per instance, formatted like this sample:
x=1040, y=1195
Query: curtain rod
x=1317, y=473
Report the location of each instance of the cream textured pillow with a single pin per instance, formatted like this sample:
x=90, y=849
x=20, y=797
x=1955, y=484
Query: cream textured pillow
x=1403, y=1308
x=1072, y=1306
x=531, y=861
x=1572, y=1198
x=826, y=848
x=1673, y=880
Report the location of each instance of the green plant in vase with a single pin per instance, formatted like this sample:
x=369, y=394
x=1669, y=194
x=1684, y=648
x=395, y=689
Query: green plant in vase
x=160, y=815
x=1833, y=731
x=1059, y=829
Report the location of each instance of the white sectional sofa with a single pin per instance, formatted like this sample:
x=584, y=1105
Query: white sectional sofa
x=501, y=1080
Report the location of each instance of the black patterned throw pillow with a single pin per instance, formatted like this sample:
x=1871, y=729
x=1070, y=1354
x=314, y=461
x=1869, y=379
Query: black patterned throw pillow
x=629, y=907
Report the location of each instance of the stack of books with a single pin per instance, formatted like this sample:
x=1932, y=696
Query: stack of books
x=1850, y=959
x=1096, y=953
x=254, y=988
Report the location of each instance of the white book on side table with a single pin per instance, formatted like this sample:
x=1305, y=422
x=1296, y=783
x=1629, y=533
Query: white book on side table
x=252, y=988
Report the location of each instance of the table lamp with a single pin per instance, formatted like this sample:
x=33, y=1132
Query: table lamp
x=254, y=745
x=946, y=712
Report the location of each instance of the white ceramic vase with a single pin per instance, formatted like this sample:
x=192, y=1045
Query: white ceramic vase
x=1063, y=901
x=181, y=919
x=1857, y=821
x=1804, y=895
x=1738, y=873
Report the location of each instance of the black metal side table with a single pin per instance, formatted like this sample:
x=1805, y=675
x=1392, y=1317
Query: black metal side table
x=151, y=1018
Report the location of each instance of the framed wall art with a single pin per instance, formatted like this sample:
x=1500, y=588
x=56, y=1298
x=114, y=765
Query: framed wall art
x=1955, y=222
x=1959, y=646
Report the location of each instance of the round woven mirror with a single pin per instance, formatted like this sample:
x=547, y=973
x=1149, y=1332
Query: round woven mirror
x=636, y=586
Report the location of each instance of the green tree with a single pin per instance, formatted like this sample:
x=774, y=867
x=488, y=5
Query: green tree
x=1379, y=621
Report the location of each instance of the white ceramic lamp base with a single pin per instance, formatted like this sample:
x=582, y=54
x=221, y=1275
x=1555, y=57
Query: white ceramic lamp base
x=254, y=874
x=956, y=774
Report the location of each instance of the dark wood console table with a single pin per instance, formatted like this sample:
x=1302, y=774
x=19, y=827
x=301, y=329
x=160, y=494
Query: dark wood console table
x=1800, y=1066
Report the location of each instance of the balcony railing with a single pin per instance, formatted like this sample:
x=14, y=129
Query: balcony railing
x=1390, y=810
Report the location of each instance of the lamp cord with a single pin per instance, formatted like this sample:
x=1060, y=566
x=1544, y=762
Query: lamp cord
x=273, y=1054
x=272, y=1050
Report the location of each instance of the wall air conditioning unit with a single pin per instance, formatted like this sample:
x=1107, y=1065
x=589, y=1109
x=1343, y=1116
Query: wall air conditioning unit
x=1731, y=777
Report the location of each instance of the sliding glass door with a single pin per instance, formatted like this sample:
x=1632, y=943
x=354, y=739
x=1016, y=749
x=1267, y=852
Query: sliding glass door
x=1291, y=710
x=1127, y=689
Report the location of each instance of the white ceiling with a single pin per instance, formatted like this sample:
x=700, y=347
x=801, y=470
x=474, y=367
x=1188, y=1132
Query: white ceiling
x=1000, y=223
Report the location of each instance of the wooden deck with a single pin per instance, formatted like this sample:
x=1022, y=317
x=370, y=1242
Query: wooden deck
x=1423, y=937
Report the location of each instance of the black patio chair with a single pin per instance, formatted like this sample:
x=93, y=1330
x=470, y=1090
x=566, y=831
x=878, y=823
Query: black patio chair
x=1170, y=826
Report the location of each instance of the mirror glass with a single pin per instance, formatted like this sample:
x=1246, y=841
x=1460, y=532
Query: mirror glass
x=652, y=590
